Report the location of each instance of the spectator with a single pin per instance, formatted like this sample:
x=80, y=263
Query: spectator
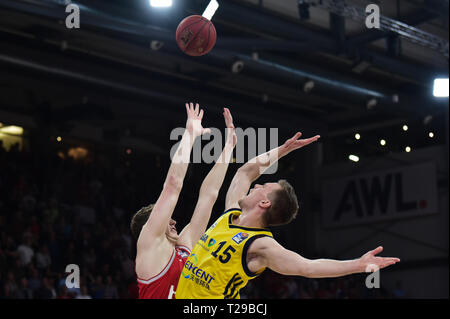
x=46, y=291
x=51, y=212
x=24, y=291
x=11, y=287
x=43, y=259
x=111, y=291
x=34, y=281
x=98, y=288
x=25, y=251
x=63, y=293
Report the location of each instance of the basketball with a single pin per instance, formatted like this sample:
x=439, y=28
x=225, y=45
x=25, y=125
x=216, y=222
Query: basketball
x=196, y=35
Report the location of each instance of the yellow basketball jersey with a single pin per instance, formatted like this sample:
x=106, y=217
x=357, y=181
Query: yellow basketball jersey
x=217, y=267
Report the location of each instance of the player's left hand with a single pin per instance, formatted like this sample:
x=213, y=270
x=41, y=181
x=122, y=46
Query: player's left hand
x=295, y=142
x=369, y=261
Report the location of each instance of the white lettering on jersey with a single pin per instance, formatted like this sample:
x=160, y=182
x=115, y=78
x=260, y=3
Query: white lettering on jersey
x=171, y=292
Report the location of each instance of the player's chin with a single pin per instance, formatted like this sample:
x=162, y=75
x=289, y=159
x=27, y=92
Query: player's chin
x=173, y=234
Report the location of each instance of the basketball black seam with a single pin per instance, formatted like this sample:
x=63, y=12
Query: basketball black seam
x=185, y=49
x=199, y=31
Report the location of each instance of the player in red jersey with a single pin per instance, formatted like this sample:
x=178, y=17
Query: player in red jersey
x=161, y=251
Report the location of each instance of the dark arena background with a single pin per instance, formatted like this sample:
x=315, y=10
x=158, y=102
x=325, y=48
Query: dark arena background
x=86, y=115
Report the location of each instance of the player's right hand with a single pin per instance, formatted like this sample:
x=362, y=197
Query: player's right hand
x=231, y=131
x=194, y=120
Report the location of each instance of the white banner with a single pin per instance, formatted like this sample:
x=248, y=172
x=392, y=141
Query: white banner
x=382, y=195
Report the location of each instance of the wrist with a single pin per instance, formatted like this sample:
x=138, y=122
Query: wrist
x=359, y=267
x=283, y=151
x=190, y=136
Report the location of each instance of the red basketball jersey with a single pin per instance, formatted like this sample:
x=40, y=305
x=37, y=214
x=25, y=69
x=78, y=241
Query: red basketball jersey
x=164, y=284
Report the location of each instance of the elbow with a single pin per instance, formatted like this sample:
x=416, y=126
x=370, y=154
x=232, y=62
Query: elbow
x=174, y=184
x=209, y=195
x=246, y=173
x=307, y=270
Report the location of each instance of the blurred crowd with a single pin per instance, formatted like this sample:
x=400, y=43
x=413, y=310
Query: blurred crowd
x=56, y=211
x=271, y=285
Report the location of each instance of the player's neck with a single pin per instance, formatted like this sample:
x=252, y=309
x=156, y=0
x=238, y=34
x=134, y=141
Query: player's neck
x=248, y=219
x=172, y=240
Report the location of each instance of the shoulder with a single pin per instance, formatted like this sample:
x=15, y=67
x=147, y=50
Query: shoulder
x=151, y=260
x=262, y=243
x=183, y=251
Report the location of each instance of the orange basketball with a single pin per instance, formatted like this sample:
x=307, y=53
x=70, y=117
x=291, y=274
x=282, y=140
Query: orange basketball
x=196, y=35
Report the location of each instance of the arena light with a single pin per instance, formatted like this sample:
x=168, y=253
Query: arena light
x=441, y=87
x=161, y=3
x=309, y=85
x=407, y=149
x=237, y=66
x=382, y=142
x=395, y=98
x=405, y=128
x=12, y=130
x=211, y=9
x=156, y=45
x=431, y=135
x=353, y=158
x=371, y=103
x=357, y=136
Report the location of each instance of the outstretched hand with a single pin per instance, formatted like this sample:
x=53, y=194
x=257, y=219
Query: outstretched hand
x=369, y=261
x=231, y=131
x=194, y=120
x=295, y=143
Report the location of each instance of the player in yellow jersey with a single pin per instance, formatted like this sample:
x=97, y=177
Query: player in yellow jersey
x=238, y=246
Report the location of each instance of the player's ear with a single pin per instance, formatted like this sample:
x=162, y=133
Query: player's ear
x=265, y=203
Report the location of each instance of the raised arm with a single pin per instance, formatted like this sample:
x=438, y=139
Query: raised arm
x=279, y=259
x=209, y=191
x=162, y=211
x=255, y=167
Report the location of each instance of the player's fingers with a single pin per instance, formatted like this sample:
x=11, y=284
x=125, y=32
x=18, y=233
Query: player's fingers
x=197, y=106
x=228, y=118
x=201, y=114
x=187, y=108
x=297, y=135
x=392, y=259
x=387, y=264
x=228, y=112
x=377, y=250
x=312, y=139
x=306, y=141
x=293, y=139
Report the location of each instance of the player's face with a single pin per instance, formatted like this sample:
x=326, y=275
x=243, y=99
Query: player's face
x=171, y=230
x=259, y=193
